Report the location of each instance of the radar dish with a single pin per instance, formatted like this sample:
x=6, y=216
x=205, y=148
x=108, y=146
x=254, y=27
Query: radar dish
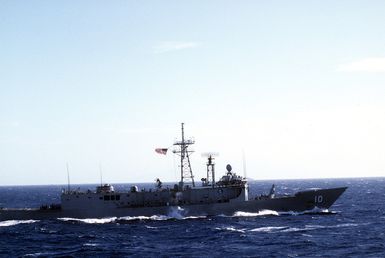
x=228, y=168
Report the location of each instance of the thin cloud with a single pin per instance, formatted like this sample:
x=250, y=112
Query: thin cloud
x=373, y=64
x=168, y=46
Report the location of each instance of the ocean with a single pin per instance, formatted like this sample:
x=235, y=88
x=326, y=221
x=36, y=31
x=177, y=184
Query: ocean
x=353, y=227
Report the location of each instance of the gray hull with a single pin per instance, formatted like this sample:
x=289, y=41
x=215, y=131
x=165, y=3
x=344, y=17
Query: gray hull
x=301, y=201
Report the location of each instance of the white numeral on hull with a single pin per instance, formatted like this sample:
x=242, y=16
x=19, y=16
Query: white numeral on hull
x=318, y=199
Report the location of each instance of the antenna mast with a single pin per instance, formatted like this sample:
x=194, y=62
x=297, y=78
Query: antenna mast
x=68, y=178
x=186, y=174
x=101, y=174
x=210, y=179
x=244, y=163
x=210, y=170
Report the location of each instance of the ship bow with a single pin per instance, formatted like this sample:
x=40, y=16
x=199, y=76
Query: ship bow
x=321, y=198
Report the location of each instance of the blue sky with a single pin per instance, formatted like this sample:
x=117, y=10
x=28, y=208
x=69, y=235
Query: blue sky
x=298, y=85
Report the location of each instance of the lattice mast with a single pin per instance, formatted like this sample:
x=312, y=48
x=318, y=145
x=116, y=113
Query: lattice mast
x=186, y=175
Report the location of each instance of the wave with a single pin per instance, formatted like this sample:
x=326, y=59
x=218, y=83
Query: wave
x=9, y=223
x=255, y=214
x=315, y=211
x=267, y=229
x=91, y=244
x=154, y=217
x=127, y=219
x=284, y=229
x=301, y=229
x=177, y=213
x=318, y=227
x=232, y=229
x=90, y=220
x=160, y=217
x=150, y=227
x=50, y=254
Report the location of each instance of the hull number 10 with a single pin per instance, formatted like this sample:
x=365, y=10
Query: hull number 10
x=318, y=199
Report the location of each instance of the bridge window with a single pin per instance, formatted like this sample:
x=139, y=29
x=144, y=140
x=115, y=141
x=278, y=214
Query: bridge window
x=106, y=197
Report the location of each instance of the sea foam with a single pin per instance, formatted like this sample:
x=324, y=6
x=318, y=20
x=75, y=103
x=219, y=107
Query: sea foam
x=9, y=223
x=255, y=214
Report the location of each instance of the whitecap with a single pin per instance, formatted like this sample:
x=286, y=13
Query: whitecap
x=46, y=254
x=33, y=255
x=306, y=228
x=154, y=217
x=267, y=229
x=231, y=229
x=128, y=218
x=336, y=226
x=296, y=229
x=318, y=227
x=8, y=223
x=315, y=210
x=176, y=212
x=91, y=244
x=90, y=220
x=160, y=217
x=255, y=214
x=149, y=227
x=195, y=217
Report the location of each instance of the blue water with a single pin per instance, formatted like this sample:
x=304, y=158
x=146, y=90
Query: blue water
x=353, y=227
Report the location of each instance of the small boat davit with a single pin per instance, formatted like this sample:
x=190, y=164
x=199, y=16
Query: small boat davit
x=226, y=196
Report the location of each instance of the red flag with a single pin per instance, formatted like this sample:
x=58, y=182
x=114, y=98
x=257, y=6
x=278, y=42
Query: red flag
x=161, y=151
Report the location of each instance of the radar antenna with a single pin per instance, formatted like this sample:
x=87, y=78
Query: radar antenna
x=186, y=174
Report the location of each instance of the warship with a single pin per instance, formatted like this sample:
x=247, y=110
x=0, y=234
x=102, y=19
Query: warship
x=228, y=195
